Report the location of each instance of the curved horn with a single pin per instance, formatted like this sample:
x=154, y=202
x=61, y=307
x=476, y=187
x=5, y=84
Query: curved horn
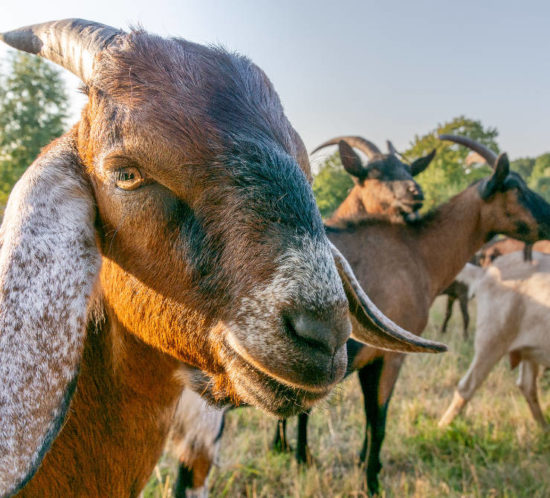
x=375, y=328
x=482, y=150
x=358, y=142
x=71, y=43
x=391, y=149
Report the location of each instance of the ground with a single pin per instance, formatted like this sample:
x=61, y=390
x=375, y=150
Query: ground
x=493, y=449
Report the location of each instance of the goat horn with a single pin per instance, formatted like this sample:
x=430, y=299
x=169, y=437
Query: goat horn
x=481, y=149
x=360, y=143
x=71, y=43
x=376, y=328
x=391, y=149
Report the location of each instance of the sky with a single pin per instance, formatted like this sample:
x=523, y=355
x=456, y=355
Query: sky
x=386, y=69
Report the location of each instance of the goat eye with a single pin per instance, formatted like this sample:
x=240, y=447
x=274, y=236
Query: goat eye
x=128, y=178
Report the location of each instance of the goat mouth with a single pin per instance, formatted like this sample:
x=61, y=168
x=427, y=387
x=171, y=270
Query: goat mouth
x=233, y=344
x=257, y=388
x=408, y=207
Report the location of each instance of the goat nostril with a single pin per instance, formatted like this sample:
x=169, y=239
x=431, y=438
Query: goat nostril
x=328, y=335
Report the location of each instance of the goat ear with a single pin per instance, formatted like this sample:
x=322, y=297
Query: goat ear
x=420, y=164
x=351, y=161
x=370, y=325
x=501, y=170
x=49, y=263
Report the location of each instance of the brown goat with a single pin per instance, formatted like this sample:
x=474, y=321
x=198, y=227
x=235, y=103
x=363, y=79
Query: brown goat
x=424, y=257
x=385, y=186
x=169, y=239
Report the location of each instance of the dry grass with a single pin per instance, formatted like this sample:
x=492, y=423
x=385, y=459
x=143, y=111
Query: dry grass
x=493, y=449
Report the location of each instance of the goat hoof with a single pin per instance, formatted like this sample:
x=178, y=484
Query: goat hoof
x=281, y=447
x=305, y=459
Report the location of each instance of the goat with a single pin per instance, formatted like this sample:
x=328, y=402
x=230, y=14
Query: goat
x=513, y=304
x=486, y=255
x=424, y=257
x=384, y=187
x=457, y=290
x=122, y=280
x=492, y=250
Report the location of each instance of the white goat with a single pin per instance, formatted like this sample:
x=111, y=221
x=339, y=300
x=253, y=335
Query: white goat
x=513, y=309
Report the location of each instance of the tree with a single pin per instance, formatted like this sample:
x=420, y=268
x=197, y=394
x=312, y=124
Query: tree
x=33, y=110
x=449, y=173
x=331, y=185
x=540, y=176
x=524, y=166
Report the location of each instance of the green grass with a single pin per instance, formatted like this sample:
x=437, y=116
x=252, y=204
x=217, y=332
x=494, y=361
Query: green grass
x=494, y=449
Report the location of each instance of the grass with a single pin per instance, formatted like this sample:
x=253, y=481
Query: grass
x=494, y=449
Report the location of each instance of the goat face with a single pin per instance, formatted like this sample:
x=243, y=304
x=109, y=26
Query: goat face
x=223, y=243
x=510, y=206
x=385, y=185
x=212, y=248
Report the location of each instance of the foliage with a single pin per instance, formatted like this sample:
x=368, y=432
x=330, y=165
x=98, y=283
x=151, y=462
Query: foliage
x=331, y=185
x=540, y=176
x=448, y=173
x=33, y=110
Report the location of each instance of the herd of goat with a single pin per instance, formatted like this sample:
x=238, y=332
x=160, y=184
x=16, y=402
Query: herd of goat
x=165, y=261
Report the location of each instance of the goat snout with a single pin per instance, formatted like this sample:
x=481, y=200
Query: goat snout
x=416, y=192
x=328, y=335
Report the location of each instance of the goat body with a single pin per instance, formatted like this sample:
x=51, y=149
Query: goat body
x=513, y=306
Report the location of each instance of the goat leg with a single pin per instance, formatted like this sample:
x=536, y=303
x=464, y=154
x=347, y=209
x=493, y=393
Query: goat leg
x=527, y=382
x=280, y=441
x=303, y=455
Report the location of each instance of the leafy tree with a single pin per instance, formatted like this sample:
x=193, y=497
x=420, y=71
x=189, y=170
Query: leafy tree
x=331, y=185
x=540, y=176
x=524, y=166
x=449, y=172
x=33, y=110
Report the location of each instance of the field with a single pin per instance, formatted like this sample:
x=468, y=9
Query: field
x=493, y=449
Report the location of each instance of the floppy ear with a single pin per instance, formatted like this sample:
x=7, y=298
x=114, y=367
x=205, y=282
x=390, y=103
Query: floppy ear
x=496, y=180
x=49, y=263
x=371, y=326
x=420, y=164
x=351, y=161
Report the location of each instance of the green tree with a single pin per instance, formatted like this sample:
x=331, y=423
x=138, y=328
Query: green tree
x=449, y=174
x=540, y=176
x=331, y=185
x=524, y=166
x=33, y=110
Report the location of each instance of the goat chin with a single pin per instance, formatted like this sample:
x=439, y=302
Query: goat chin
x=250, y=386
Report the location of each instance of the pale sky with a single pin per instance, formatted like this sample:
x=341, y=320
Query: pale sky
x=386, y=69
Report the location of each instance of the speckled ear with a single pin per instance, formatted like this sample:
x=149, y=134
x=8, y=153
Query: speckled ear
x=49, y=263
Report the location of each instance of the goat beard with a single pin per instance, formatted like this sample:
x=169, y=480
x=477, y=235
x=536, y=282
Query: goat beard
x=216, y=389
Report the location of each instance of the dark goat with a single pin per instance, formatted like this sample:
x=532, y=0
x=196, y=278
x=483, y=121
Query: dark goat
x=457, y=290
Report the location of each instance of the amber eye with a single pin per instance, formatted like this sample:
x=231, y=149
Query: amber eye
x=128, y=178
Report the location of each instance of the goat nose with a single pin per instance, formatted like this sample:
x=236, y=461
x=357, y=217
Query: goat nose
x=416, y=192
x=328, y=335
